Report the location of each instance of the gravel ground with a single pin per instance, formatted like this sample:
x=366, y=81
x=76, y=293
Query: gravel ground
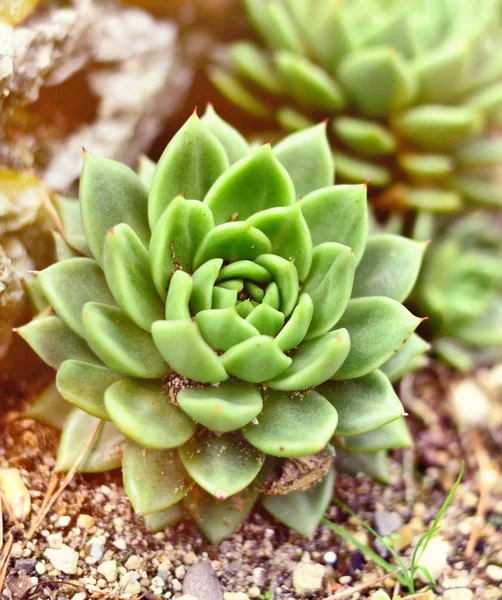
x=91, y=544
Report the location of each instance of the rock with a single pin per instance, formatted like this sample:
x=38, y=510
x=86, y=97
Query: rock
x=55, y=540
x=470, y=405
x=380, y=595
x=133, y=588
x=188, y=597
x=15, y=493
x=330, y=558
x=458, y=594
x=65, y=559
x=190, y=558
x=201, y=581
x=97, y=547
x=108, y=569
x=179, y=572
x=235, y=596
x=26, y=564
x=85, y=521
x=134, y=563
x=79, y=596
x=254, y=592
x=435, y=558
x=387, y=522
x=494, y=573
x=307, y=578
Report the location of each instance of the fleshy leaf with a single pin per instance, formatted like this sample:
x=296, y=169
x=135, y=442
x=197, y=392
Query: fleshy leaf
x=223, y=328
x=338, y=214
x=374, y=464
x=231, y=88
x=329, y=284
x=158, y=521
x=54, y=342
x=144, y=413
x=219, y=518
x=227, y=407
x=392, y=436
x=389, y=267
x=409, y=358
x=302, y=511
x=367, y=137
x=203, y=281
x=178, y=296
x=223, y=298
x=191, y=163
x=120, y=343
x=311, y=423
x=253, y=63
x=362, y=404
x=255, y=360
x=175, y=239
x=50, y=407
x=70, y=284
x=127, y=271
x=307, y=157
x=298, y=324
x=182, y=345
x=378, y=80
x=314, y=362
x=438, y=127
x=104, y=454
x=146, y=169
x=285, y=275
x=354, y=170
x=223, y=465
x=253, y=184
x=266, y=319
x=232, y=141
x=288, y=232
x=153, y=479
x=69, y=213
x=245, y=269
x=106, y=183
x=310, y=85
x=84, y=385
x=231, y=242
x=377, y=327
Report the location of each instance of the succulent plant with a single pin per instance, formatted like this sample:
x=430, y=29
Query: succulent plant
x=225, y=313
x=412, y=87
x=460, y=286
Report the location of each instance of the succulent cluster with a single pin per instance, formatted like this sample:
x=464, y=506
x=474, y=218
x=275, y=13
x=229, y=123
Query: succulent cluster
x=412, y=88
x=226, y=314
x=460, y=287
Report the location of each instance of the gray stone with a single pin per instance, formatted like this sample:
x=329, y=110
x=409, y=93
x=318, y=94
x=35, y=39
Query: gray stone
x=307, y=578
x=26, y=564
x=201, y=581
x=387, y=523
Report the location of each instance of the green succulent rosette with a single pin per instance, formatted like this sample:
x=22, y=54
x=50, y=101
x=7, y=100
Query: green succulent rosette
x=226, y=316
x=461, y=288
x=412, y=88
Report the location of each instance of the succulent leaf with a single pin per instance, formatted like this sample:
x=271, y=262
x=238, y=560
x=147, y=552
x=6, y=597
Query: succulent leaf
x=144, y=413
x=108, y=183
x=234, y=144
x=363, y=404
x=303, y=510
x=70, y=284
x=120, y=343
x=84, y=385
x=393, y=435
x=104, y=454
x=253, y=184
x=256, y=359
x=377, y=327
x=191, y=163
x=228, y=407
x=311, y=419
x=153, y=479
x=223, y=465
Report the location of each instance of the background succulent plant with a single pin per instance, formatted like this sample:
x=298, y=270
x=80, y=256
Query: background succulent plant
x=412, y=87
x=232, y=333
x=460, y=287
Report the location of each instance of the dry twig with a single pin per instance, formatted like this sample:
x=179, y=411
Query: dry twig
x=5, y=559
x=9, y=511
x=362, y=586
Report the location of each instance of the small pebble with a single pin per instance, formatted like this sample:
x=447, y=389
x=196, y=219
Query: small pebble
x=307, y=577
x=109, y=570
x=85, y=521
x=330, y=558
x=120, y=544
x=55, y=540
x=494, y=573
x=134, y=562
x=235, y=596
x=79, y=596
x=458, y=594
x=254, y=592
x=64, y=559
x=64, y=521
x=16, y=493
x=380, y=595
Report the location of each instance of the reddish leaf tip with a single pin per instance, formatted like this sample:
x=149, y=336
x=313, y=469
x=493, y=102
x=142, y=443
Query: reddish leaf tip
x=367, y=182
x=325, y=121
x=194, y=112
x=422, y=319
x=84, y=150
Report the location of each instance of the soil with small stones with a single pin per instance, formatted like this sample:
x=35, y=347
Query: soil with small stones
x=261, y=557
